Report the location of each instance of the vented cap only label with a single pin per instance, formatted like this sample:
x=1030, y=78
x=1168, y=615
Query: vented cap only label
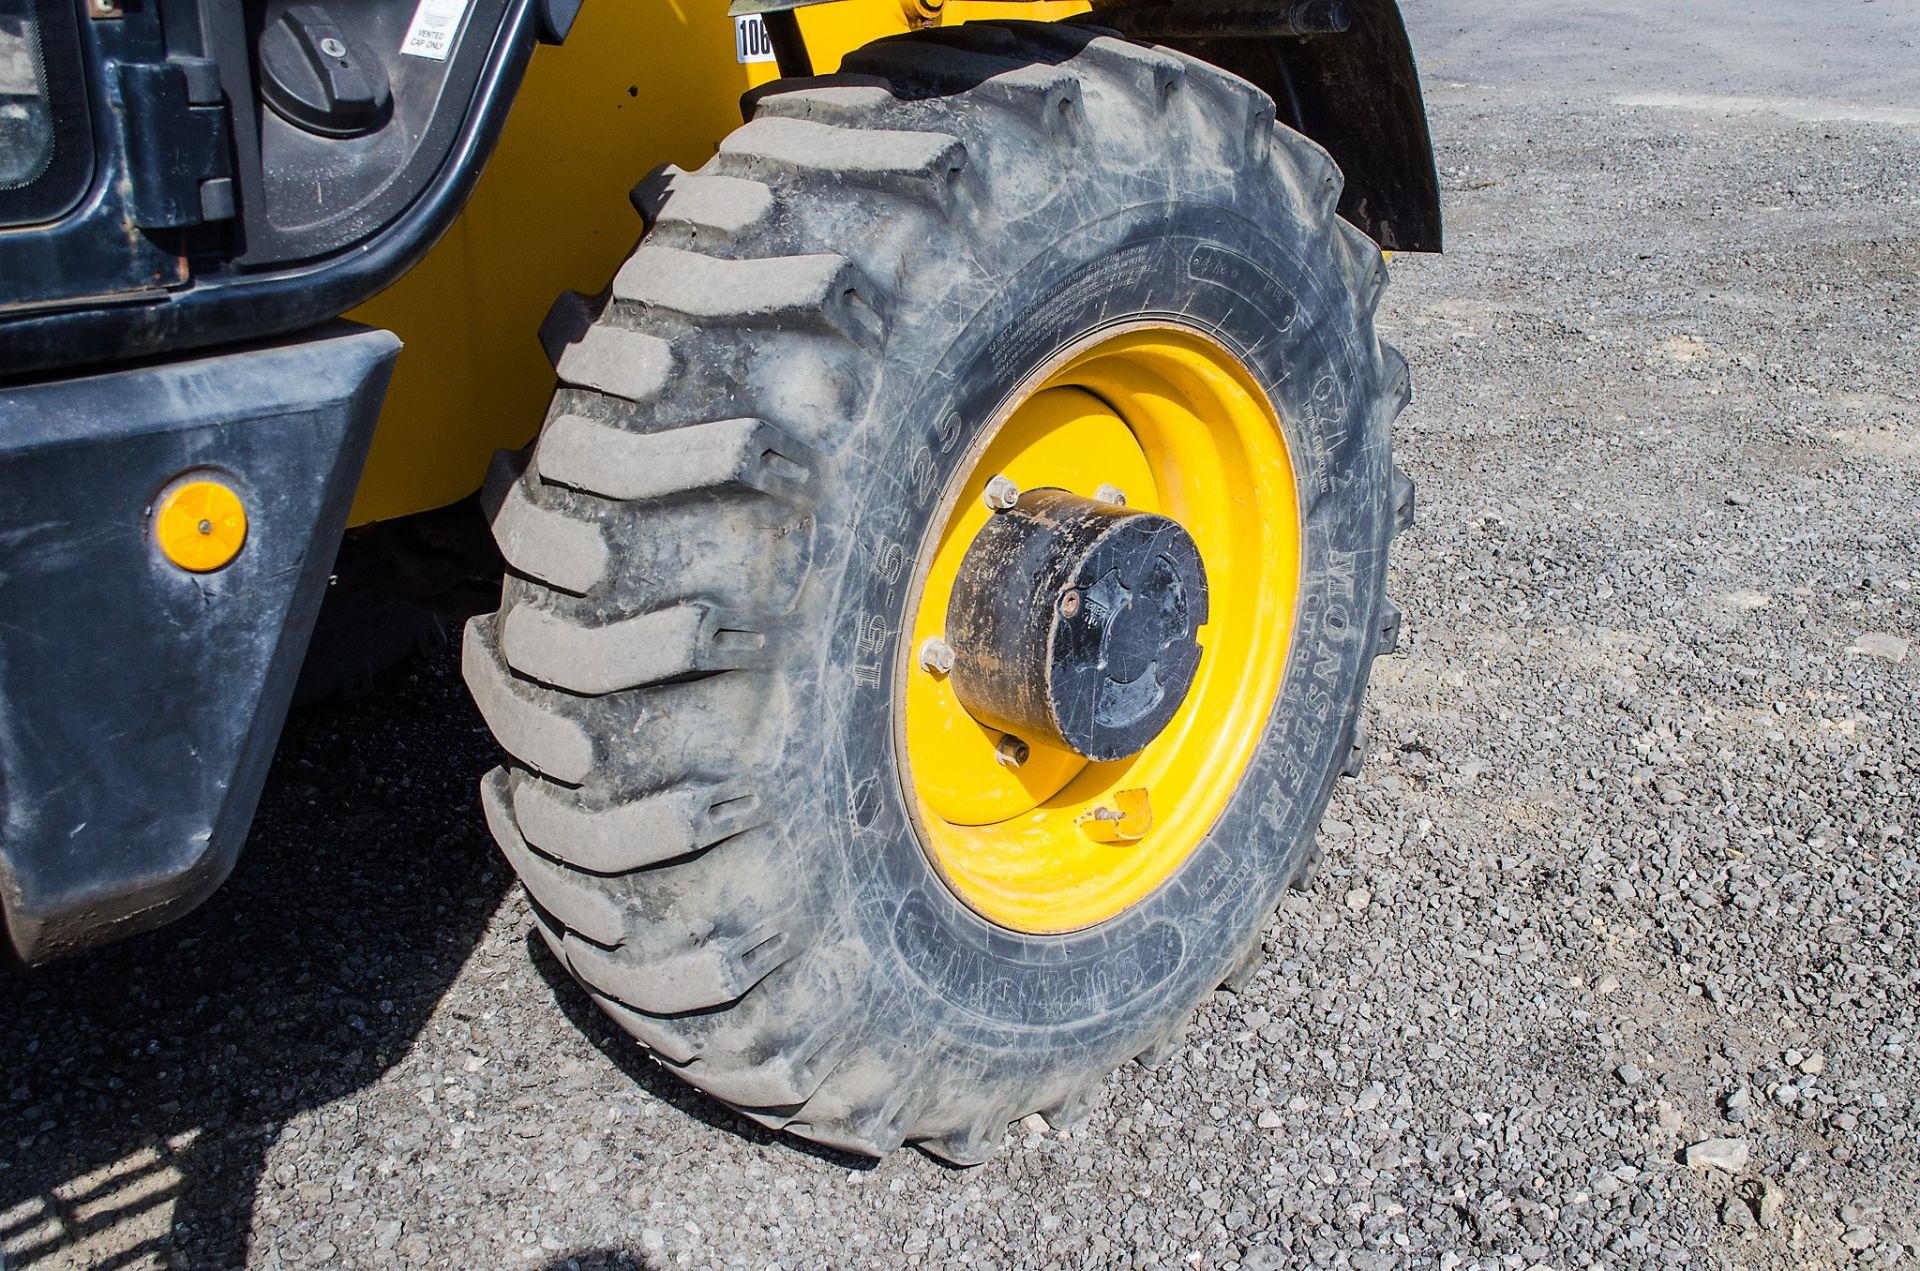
x=435, y=25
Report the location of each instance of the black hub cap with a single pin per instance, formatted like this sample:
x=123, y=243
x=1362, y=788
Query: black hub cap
x=1072, y=622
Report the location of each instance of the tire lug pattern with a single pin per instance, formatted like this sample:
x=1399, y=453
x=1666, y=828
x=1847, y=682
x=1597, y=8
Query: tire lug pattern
x=599, y=458
x=922, y=164
x=1403, y=501
x=540, y=541
x=617, y=362
x=629, y=653
x=1165, y=1046
x=539, y=736
x=822, y=290
x=624, y=835
x=702, y=208
x=1391, y=621
x=1356, y=750
x=661, y=535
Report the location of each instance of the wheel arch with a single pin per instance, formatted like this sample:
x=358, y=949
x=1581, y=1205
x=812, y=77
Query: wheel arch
x=1356, y=92
x=1341, y=72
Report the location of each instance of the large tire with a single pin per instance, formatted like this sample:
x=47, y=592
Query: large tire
x=696, y=656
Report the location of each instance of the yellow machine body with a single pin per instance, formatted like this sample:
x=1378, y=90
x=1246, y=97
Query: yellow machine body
x=635, y=85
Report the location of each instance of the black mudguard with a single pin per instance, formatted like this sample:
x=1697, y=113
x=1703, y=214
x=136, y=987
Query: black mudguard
x=1354, y=91
x=1339, y=71
x=140, y=703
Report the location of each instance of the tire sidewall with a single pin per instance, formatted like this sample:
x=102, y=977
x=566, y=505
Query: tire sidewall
x=1294, y=324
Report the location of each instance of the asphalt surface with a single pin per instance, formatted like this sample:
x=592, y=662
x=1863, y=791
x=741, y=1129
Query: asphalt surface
x=1630, y=869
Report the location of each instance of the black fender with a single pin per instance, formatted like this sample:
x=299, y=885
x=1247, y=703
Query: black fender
x=1340, y=71
x=140, y=702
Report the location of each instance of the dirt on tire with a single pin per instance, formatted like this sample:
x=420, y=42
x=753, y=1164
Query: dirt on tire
x=692, y=666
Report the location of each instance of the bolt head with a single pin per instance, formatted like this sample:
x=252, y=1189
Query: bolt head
x=1111, y=494
x=1001, y=494
x=332, y=47
x=1069, y=602
x=936, y=655
x=1012, y=751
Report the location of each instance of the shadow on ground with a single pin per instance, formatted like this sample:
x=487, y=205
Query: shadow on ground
x=600, y=1260
x=653, y=1075
x=141, y=1085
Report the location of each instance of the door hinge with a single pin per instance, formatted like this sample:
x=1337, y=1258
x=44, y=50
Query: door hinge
x=174, y=122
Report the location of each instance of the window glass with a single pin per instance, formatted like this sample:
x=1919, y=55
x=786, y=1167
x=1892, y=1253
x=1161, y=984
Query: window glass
x=26, y=120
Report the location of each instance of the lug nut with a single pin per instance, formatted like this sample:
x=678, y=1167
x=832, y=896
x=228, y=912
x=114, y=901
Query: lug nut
x=1012, y=751
x=1001, y=494
x=936, y=655
x=1111, y=494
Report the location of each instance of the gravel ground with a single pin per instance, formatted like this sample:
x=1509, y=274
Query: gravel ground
x=1630, y=869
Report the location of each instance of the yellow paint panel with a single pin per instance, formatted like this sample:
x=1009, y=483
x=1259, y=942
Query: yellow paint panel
x=834, y=30
x=637, y=84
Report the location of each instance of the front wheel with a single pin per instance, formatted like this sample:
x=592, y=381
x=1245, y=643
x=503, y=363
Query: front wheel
x=943, y=591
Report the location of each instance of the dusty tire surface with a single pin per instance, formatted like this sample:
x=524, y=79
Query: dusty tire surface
x=696, y=660
x=351, y=1055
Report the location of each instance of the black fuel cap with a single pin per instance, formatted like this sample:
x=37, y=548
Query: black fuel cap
x=317, y=77
x=1074, y=622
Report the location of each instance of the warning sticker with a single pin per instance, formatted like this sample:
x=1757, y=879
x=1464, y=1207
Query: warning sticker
x=434, y=26
x=750, y=41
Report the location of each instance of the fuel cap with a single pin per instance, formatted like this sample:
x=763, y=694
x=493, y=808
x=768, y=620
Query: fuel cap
x=317, y=77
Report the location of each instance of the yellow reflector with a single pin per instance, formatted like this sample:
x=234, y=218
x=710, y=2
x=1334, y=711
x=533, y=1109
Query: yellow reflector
x=201, y=525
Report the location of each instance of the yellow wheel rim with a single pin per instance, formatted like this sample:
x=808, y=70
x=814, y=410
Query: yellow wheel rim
x=1173, y=420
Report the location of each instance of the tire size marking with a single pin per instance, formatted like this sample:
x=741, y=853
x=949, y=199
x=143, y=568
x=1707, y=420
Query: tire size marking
x=873, y=628
x=1325, y=420
x=889, y=561
x=1323, y=415
x=1324, y=646
x=1022, y=343
x=873, y=636
x=925, y=474
x=924, y=471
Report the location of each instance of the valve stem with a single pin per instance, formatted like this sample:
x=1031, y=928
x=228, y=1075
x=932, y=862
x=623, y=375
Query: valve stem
x=936, y=655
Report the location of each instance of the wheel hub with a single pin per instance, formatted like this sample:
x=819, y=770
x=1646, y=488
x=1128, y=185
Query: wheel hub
x=1028, y=829
x=1073, y=622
